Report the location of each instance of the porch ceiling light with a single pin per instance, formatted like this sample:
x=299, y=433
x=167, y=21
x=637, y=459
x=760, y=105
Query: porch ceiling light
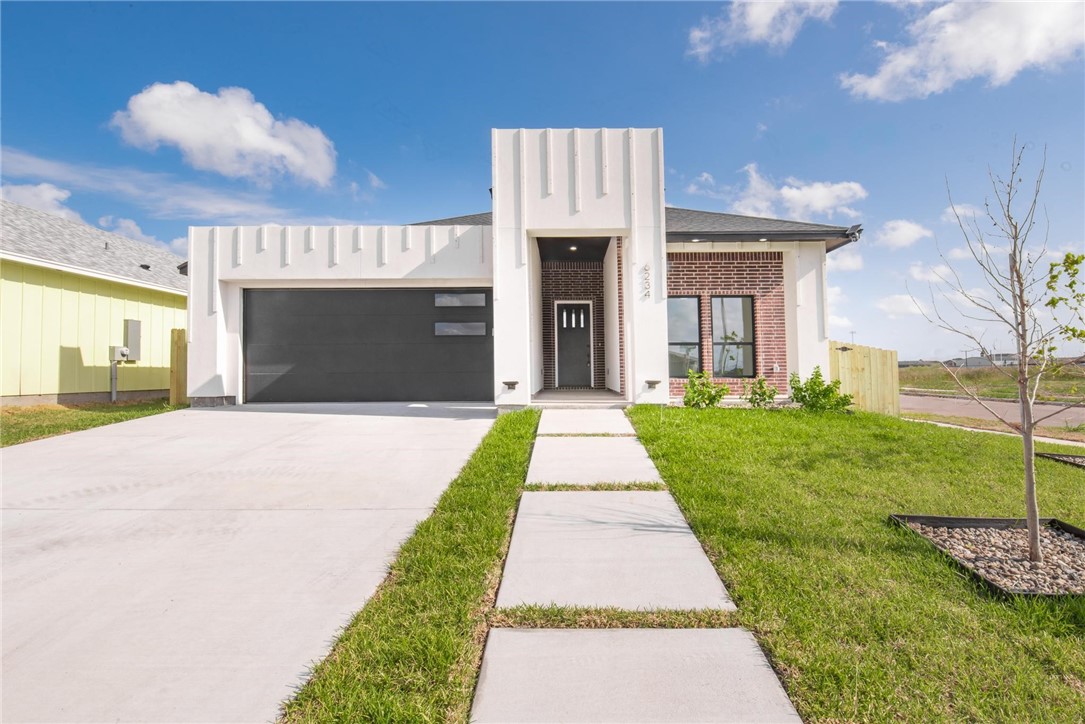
x=695, y=241
x=572, y=248
x=762, y=239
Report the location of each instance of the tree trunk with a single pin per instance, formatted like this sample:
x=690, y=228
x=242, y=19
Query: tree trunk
x=1032, y=511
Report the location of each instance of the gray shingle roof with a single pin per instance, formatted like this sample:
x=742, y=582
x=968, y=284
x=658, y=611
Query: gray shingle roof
x=38, y=235
x=692, y=221
x=486, y=218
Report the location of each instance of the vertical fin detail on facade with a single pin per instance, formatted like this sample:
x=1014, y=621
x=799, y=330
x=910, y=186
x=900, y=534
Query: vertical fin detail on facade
x=237, y=246
x=212, y=269
x=576, y=170
x=549, y=162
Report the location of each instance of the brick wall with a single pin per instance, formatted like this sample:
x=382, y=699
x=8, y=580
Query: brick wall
x=573, y=281
x=720, y=274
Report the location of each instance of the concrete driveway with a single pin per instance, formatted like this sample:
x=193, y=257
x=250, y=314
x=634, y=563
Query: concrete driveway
x=191, y=566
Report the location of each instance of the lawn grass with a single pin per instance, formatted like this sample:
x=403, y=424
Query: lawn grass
x=1073, y=433
x=413, y=652
x=1067, y=385
x=580, y=617
x=23, y=424
x=864, y=621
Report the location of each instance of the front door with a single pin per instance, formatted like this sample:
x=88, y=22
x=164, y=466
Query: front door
x=573, y=321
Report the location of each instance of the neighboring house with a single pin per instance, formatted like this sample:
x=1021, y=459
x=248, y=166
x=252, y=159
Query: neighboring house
x=579, y=278
x=66, y=290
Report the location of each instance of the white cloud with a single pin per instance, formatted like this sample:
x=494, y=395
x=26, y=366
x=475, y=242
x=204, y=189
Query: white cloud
x=901, y=233
x=375, y=181
x=228, y=132
x=959, y=41
x=844, y=260
x=793, y=199
x=799, y=199
x=43, y=197
x=925, y=273
x=161, y=194
x=759, y=196
x=129, y=228
x=900, y=305
x=963, y=252
x=834, y=298
x=704, y=184
x=746, y=22
x=842, y=323
x=761, y=129
x=821, y=197
x=967, y=212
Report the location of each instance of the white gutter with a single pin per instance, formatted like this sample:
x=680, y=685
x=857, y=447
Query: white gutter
x=80, y=271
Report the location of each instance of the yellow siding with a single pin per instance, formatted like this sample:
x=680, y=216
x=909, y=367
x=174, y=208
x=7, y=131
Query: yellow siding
x=56, y=329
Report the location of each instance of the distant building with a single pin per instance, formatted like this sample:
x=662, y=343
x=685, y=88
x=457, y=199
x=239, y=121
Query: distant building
x=66, y=289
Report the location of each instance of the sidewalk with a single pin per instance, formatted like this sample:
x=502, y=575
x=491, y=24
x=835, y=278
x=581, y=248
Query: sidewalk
x=614, y=549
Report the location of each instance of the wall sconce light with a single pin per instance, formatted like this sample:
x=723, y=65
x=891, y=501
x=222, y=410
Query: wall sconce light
x=652, y=384
x=511, y=384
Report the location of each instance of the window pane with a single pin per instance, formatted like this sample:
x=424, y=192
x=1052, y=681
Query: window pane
x=459, y=329
x=732, y=319
x=732, y=360
x=459, y=299
x=683, y=319
x=684, y=357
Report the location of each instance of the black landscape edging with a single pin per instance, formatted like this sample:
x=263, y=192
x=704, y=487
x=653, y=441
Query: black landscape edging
x=1063, y=458
x=943, y=521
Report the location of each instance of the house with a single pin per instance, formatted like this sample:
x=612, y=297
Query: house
x=66, y=291
x=579, y=279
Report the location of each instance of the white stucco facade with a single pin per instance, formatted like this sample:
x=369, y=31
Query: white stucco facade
x=552, y=183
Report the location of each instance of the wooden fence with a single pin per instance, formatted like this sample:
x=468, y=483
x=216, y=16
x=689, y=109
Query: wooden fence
x=178, y=367
x=868, y=374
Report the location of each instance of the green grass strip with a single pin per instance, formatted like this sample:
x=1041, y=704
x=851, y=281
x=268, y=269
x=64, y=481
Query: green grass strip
x=577, y=617
x=551, y=487
x=413, y=652
x=23, y=424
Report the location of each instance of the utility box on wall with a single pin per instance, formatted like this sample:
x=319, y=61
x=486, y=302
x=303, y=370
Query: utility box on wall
x=132, y=336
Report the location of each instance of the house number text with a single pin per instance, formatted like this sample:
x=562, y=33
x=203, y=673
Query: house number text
x=645, y=281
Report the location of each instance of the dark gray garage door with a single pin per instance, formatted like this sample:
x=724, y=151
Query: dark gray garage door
x=360, y=345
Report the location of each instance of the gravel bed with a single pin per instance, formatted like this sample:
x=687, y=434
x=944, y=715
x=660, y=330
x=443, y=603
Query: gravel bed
x=1078, y=460
x=1001, y=556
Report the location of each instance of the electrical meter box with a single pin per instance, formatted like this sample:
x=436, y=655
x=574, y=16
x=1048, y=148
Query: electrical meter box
x=118, y=354
x=132, y=339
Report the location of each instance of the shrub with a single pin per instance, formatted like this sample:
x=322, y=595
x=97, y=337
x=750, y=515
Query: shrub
x=702, y=392
x=817, y=395
x=760, y=393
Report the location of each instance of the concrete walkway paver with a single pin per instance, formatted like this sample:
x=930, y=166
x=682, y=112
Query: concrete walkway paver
x=585, y=422
x=628, y=675
x=591, y=460
x=627, y=549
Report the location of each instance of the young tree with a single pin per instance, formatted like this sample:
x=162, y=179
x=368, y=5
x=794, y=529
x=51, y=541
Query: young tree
x=1040, y=308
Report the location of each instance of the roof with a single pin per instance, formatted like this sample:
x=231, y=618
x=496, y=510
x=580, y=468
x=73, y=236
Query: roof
x=690, y=224
x=74, y=246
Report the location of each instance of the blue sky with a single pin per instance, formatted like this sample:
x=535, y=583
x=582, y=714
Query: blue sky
x=145, y=118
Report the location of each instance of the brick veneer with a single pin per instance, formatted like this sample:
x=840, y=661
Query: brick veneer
x=573, y=281
x=719, y=274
